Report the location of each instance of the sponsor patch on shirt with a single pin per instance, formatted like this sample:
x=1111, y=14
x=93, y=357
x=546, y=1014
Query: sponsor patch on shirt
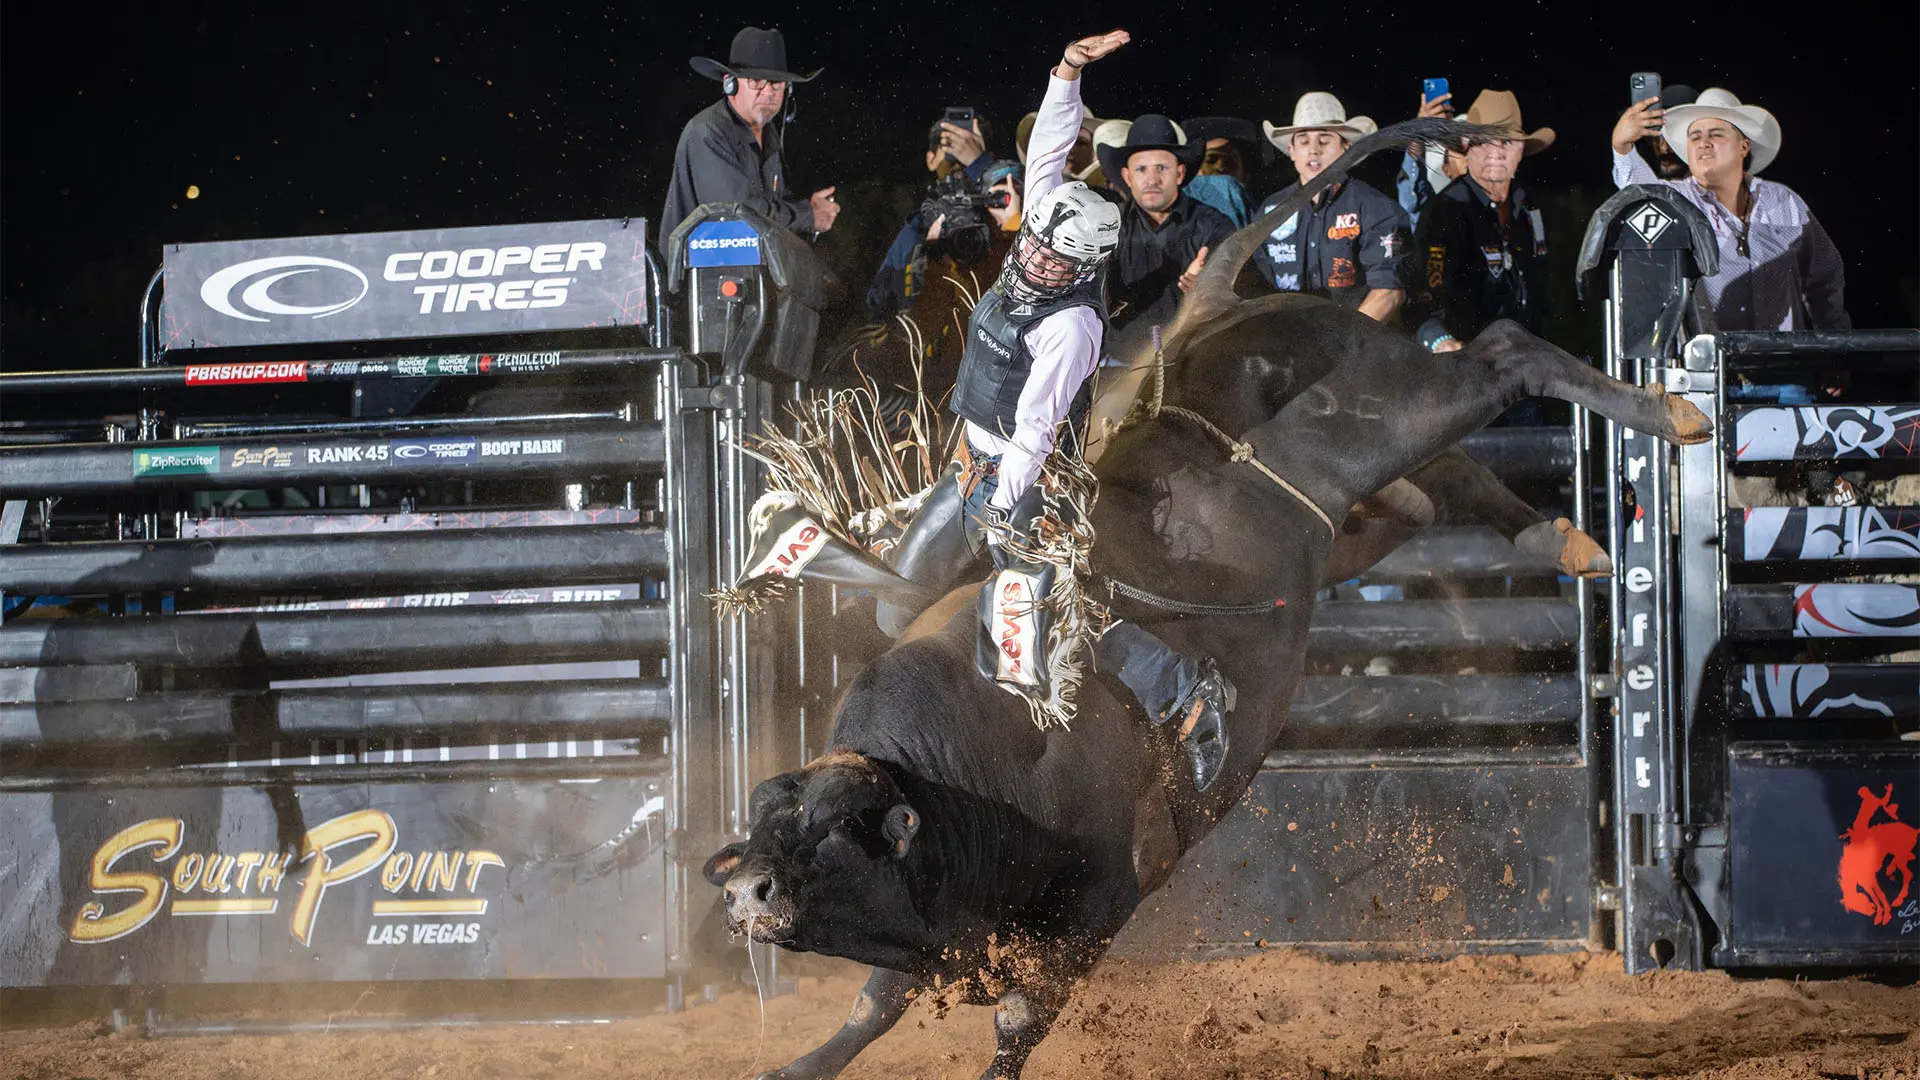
x=1344, y=227
x=1343, y=276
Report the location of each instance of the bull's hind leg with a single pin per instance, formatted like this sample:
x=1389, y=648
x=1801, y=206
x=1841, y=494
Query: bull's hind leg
x=1538, y=368
x=880, y=1005
x=1465, y=491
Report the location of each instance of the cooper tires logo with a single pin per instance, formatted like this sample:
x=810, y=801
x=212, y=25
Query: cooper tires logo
x=255, y=302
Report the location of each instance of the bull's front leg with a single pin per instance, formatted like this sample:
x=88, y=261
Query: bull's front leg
x=878, y=1007
x=1027, y=1010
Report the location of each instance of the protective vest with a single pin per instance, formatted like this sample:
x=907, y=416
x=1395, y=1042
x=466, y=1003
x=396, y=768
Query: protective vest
x=995, y=363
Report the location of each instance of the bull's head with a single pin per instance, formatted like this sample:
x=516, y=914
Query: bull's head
x=825, y=858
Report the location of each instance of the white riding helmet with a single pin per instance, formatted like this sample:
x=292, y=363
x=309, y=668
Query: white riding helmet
x=1064, y=237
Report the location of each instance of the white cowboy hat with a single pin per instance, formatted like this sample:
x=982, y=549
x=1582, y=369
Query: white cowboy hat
x=1318, y=110
x=1757, y=124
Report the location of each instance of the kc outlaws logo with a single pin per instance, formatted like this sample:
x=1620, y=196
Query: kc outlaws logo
x=1877, y=856
x=251, y=883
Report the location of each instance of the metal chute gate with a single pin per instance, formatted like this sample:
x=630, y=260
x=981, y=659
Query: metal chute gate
x=323, y=667
x=355, y=674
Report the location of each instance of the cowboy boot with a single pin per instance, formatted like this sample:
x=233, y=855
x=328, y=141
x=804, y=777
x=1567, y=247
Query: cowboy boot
x=1170, y=685
x=1203, y=727
x=934, y=553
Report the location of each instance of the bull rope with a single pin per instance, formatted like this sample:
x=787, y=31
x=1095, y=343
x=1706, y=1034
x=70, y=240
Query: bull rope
x=1236, y=449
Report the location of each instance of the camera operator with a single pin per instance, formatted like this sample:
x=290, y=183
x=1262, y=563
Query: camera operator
x=957, y=157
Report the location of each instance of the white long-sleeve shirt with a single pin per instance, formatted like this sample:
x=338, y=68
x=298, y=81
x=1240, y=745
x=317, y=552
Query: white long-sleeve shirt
x=1065, y=345
x=1792, y=277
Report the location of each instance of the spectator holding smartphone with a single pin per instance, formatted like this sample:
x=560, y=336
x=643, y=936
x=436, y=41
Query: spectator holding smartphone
x=1427, y=170
x=1779, y=270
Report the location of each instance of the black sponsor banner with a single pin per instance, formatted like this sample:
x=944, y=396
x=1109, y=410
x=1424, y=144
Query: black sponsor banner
x=494, y=279
x=338, y=524
x=316, y=371
x=84, y=468
x=532, y=878
x=1822, y=847
x=540, y=594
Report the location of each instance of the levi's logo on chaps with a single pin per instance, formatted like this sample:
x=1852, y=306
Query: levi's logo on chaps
x=791, y=553
x=1016, y=611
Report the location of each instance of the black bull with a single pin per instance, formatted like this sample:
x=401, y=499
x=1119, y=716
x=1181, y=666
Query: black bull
x=955, y=847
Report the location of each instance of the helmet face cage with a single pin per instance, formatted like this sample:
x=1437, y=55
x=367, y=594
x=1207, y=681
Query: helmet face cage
x=1034, y=271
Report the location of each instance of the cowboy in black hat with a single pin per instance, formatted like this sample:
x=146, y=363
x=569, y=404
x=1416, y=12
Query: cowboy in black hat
x=730, y=151
x=1164, y=232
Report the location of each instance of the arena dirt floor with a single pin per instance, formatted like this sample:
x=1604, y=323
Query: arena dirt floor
x=1269, y=1015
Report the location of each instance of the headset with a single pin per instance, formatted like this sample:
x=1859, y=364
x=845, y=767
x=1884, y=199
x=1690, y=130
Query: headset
x=730, y=85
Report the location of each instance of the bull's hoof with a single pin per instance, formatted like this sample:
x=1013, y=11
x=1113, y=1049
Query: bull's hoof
x=1689, y=424
x=1573, y=551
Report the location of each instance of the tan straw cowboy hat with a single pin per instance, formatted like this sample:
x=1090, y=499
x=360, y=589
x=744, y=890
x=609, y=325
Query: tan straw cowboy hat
x=1499, y=108
x=1318, y=110
x=1757, y=124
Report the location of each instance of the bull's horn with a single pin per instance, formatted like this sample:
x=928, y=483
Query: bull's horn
x=1213, y=288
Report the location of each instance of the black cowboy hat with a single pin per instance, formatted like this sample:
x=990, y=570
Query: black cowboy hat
x=1254, y=147
x=756, y=54
x=1152, y=132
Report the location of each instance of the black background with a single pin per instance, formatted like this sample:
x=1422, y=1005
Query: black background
x=296, y=119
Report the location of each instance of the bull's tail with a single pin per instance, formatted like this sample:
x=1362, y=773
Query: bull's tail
x=1213, y=290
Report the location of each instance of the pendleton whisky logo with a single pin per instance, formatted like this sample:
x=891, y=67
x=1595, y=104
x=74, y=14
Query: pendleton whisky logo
x=141, y=872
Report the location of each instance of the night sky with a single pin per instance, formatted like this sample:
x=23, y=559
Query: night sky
x=294, y=119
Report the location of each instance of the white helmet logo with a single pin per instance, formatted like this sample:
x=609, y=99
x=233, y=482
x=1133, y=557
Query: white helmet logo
x=217, y=290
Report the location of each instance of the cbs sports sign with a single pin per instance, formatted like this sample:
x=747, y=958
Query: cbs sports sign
x=421, y=284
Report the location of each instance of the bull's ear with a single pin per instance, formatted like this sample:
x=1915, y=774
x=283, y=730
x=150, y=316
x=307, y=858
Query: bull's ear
x=721, y=866
x=902, y=823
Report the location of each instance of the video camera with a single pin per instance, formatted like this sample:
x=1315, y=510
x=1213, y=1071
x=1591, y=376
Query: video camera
x=968, y=230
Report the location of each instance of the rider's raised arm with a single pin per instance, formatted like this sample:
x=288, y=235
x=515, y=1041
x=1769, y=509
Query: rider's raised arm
x=1058, y=125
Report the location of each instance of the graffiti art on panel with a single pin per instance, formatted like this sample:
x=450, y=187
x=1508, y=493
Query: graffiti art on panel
x=1777, y=533
x=1850, y=610
x=1826, y=431
x=1815, y=690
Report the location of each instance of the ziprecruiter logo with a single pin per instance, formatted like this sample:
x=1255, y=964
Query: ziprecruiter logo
x=178, y=461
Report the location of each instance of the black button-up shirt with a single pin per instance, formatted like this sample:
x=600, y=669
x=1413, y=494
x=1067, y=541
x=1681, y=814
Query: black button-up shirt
x=1350, y=242
x=1149, y=261
x=719, y=161
x=1475, y=271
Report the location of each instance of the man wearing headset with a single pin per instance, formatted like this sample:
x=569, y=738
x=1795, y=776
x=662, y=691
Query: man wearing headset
x=730, y=150
x=1032, y=344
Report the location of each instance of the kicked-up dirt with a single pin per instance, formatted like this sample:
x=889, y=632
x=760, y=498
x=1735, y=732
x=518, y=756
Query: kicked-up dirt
x=1268, y=1015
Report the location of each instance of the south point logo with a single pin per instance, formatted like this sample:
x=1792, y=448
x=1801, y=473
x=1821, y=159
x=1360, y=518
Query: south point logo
x=250, y=883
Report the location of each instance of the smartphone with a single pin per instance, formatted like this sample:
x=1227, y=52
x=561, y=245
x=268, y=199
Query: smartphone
x=1433, y=88
x=961, y=115
x=1643, y=85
